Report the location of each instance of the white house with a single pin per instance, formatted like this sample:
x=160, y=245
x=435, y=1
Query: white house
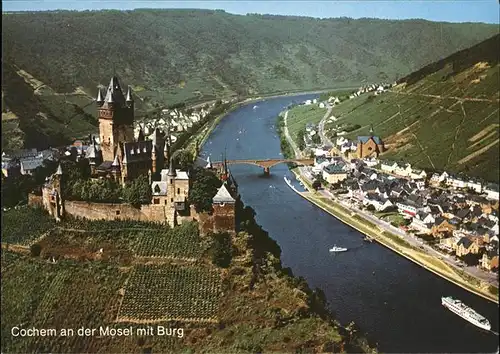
x=370, y=162
x=315, y=101
x=491, y=191
x=475, y=185
x=404, y=170
x=380, y=204
x=321, y=105
x=418, y=174
x=307, y=102
x=434, y=180
x=388, y=166
x=443, y=177
x=456, y=182
x=406, y=208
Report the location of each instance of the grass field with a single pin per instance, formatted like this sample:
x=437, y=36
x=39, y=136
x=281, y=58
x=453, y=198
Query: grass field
x=299, y=116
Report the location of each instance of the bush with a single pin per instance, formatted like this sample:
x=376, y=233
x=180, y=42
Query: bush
x=35, y=250
x=370, y=207
x=222, y=250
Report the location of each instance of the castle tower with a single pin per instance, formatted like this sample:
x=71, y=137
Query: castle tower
x=116, y=170
x=116, y=119
x=157, y=157
x=224, y=210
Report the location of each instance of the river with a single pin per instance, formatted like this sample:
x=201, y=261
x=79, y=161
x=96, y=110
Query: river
x=393, y=300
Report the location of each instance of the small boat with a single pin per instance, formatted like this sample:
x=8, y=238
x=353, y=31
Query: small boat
x=255, y=107
x=368, y=239
x=337, y=249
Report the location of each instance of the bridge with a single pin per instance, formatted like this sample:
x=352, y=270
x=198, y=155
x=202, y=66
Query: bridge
x=266, y=164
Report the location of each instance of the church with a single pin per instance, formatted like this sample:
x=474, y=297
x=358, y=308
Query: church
x=369, y=146
x=119, y=155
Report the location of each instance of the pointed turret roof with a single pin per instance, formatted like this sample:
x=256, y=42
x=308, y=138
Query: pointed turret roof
x=59, y=170
x=99, y=96
x=171, y=169
x=114, y=93
x=141, y=135
x=209, y=163
x=129, y=94
x=115, y=163
x=223, y=195
x=157, y=137
x=371, y=130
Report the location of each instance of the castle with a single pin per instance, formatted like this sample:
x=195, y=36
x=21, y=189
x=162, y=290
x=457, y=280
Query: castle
x=119, y=157
x=369, y=146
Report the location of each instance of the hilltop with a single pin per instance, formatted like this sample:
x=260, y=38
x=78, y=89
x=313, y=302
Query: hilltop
x=54, y=61
x=441, y=117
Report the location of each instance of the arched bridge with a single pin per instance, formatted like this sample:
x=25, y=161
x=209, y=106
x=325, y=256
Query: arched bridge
x=266, y=164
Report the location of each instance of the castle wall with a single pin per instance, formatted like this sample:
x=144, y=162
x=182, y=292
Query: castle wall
x=118, y=211
x=35, y=200
x=224, y=216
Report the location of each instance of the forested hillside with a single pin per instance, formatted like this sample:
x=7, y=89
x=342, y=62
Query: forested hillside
x=444, y=116
x=54, y=61
x=214, y=52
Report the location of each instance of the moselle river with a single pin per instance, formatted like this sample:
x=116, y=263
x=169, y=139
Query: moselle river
x=396, y=302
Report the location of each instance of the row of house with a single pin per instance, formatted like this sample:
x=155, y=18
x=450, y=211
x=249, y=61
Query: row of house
x=467, y=223
x=26, y=161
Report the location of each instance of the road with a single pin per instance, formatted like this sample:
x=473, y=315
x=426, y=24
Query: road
x=296, y=150
x=473, y=271
x=321, y=130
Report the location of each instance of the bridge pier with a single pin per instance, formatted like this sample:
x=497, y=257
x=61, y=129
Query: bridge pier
x=266, y=171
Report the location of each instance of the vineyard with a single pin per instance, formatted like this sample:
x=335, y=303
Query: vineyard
x=103, y=225
x=169, y=292
x=182, y=242
x=38, y=294
x=24, y=225
x=443, y=119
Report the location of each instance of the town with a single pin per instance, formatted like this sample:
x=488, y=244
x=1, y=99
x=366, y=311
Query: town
x=452, y=216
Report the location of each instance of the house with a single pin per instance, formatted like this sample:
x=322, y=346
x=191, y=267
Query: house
x=465, y=246
x=456, y=182
x=28, y=166
x=404, y=170
x=377, y=201
x=321, y=105
x=407, y=207
x=491, y=191
x=442, y=227
x=434, y=180
x=334, y=173
x=489, y=261
x=418, y=174
x=475, y=185
x=423, y=222
x=388, y=166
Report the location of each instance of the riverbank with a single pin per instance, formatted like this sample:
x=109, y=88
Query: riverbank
x=397, y=244
x=200, y=137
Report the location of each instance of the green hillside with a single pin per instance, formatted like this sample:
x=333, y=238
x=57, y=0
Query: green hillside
x=444, y=116
x=202, y=52
x=53, y=61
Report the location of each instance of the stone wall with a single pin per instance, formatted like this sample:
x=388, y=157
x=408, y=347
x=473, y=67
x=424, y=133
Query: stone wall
x=118, y=211
x=35, y=200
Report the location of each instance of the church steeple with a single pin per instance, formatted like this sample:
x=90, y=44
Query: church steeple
x=129, y=95
x=371, y=130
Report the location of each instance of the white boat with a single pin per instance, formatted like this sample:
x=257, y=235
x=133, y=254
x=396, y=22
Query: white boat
x=337, y=249
x=255, y=107
x=464, y=311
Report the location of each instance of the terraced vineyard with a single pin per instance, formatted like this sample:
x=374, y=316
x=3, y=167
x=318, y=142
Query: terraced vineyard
x=43, y=295
x=182, y=242
x=24, y=225
x=170, y=293
x=443, y=117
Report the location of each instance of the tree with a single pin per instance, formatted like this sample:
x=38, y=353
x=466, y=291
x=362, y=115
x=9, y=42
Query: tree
x=300, y=139
x=184, y=160
x=204, y=187
x=316, y=184
x=138, y=191
x=222, y=250
x=35, y=250
x=370, y=207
